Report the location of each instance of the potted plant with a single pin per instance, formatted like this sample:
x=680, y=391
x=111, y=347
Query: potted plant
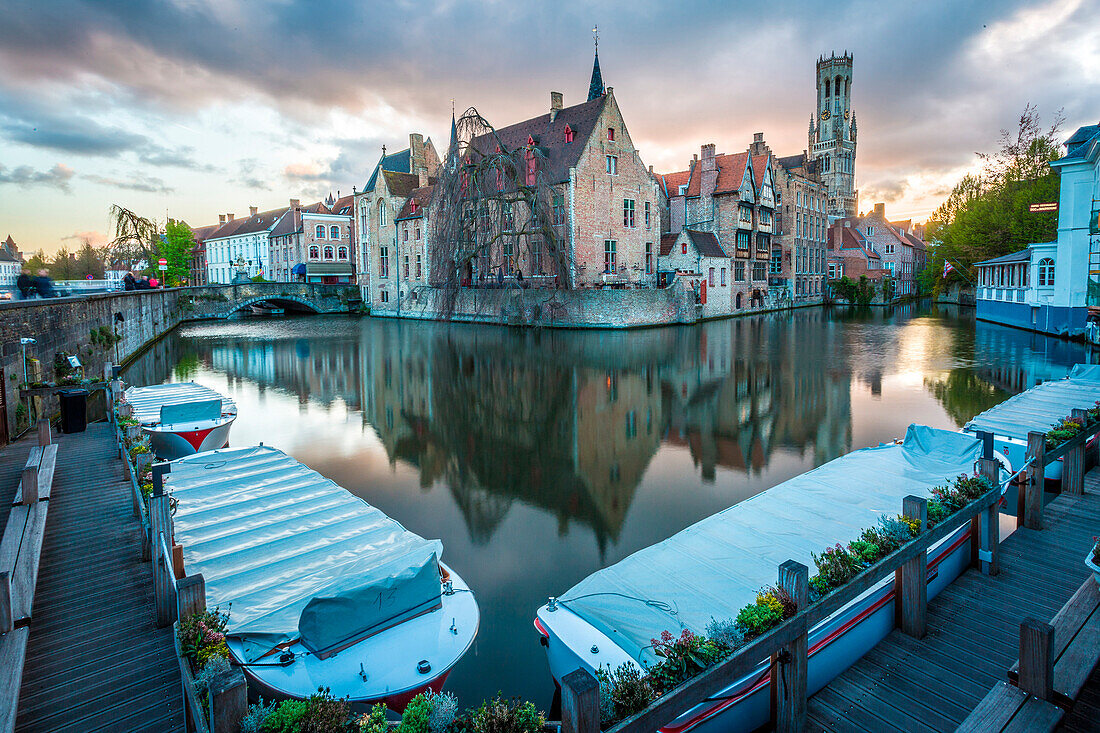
x=1092, y=559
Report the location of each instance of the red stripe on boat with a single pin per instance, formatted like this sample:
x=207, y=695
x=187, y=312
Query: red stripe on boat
x=194, y=437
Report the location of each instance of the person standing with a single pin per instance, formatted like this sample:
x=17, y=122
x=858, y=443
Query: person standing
x=143, y=283
x=154, y=283
x=129, y=282
x=24, y=283
x=44, y=285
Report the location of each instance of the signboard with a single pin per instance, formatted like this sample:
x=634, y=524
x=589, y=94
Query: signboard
x=1043, y=208
x=163, y=264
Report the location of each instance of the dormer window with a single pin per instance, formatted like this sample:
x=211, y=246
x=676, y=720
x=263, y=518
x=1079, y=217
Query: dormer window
x=413, y=206
x=611, y=133
x=568, y=134
x=530, y=140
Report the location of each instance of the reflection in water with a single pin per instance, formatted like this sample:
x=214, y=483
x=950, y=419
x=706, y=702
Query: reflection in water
x=539, y=457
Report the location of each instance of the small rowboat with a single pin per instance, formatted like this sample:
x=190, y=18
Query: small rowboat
x=182, y=418
x=324, y=590
x=263, y=308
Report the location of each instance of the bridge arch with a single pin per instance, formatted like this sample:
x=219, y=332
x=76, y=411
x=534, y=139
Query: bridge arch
x=279, y=300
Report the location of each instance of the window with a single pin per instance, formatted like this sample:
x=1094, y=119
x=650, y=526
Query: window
x=385, y=297
x=612, y=165
x=559, y=209
x=418, y=234
x=763, y=244
x=532, y=166
x=419, y=266
x=509, y=253
x=684, y=247
x=406, y=263
x=832, y=271
x=509, y=221
x=363, y=216
x=319, y=233
x=742, y=240
x=404, y=233
x=328, y=251
x=1046, y=272
x=381, y=213
x=870, y=231
x=739, y=272
x=536, y=256
x=568, y=134
x=649, y=258
x=314, y=252
x=710, y=277
x=723, y=280
x=609, y=255
x=777, y=261
x=334, y=232
x=827, y=88
x=383, y=262
x=798, y=225
x=342, y=253
x=628, y=213
x=745, y=214
x=611, y=133
x=888, y=249
x=759, y=271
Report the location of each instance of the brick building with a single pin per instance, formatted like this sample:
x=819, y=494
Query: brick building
x=832, y=141
x=313, y=243
x=698, y=257
x=799, y=246
x=902, y=253
x=411, y=250
x=851, y=255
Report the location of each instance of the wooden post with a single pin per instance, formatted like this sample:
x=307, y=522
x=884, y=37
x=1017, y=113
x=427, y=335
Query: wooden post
x=580, y=702
x=191, y=595
x=1036, y=480
x=1021, y=492
x=44, y=436
x=989, y=530
x=7, y=620
x=161, y=522
x=911, y=594
x=1073, y=463
x=1036, y=658
x=177, y=561
x=228, y=701
x=29, y=485
x=789, y=665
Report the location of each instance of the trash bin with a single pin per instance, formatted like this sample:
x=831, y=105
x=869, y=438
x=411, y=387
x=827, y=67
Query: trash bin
x=74, y=410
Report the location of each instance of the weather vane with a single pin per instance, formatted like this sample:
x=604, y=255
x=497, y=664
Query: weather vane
x=596, y=35
x=452, y=106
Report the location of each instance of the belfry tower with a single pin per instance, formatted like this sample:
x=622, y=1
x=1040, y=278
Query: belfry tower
x=832, y=141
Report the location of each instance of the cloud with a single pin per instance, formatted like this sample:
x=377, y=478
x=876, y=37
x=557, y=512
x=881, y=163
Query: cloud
x=95, y=238
x=182, y=157
x=146, y=184
x=24, y=175
x=885, y=191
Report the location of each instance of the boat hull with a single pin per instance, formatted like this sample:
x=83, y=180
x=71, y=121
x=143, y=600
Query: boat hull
x=834, y=646
x=176, y=441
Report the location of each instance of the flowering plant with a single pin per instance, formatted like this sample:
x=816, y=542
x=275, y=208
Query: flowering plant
x=202, y=636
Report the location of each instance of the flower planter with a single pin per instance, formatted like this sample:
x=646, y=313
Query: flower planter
x=1093, y=566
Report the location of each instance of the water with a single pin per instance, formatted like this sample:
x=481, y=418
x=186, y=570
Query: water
x=540, y=457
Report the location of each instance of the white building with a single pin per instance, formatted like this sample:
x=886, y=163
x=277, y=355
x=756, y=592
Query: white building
x=11, y=262
x=241, y=246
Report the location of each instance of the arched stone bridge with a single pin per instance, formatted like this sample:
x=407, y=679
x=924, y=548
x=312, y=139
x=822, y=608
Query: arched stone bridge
x=221, y=301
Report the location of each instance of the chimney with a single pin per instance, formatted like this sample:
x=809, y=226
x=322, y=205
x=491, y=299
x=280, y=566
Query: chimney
x=295, y=203
x=221, y=218
x=417, y=159
x=253, y=210
x=758, y=137
x=555, y=104
x=706, y=152
x=422, y=175
x=758, y=146
x=880, y=210
x=230, y=217
x=708, y=180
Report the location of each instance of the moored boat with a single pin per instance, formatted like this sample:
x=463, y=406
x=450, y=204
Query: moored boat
x=1037, y=409
x=324, y=590
x=263, y=308
x=715, y=567
x=182, y=418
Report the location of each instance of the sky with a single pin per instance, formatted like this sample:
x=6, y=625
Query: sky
x=188, y=108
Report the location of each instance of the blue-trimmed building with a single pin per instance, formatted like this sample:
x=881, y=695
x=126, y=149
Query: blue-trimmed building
x=1049, y=287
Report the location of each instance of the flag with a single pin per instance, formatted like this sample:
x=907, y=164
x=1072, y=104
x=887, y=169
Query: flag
x=947, y=268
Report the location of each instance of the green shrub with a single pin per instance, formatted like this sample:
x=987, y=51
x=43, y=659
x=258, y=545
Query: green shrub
x=501, y=716
x=373, y=722
x=624, y=691
x=287, y=717
x=202, y=635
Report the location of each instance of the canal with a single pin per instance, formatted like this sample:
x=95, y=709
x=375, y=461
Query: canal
x=540, y=457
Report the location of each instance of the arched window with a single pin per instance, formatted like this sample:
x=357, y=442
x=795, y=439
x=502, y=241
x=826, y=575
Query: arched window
x=381, y=213
x=836, y=86
x=328, y=251
x=568, y=134
x=314, y=252
x=826, y=87
x=320, y=231
x=1046, y=272
x=334, y=232
x=343, y=253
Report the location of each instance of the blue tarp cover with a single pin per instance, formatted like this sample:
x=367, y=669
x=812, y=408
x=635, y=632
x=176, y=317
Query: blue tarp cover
x=1041, y=406
x=716, y=566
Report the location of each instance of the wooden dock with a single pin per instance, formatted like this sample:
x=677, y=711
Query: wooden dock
x=973, y=634
x=95, y=659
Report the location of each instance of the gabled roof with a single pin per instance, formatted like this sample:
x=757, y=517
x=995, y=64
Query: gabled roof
x=399, y=162
x=905, y=226
x=705, y=243
x=731, y=172
x=670, y=182
x=421, y=196
x=1078, y=144
x=759, y=167
x=6, y=256
x=550, y=137
x=668, y=240
x=343, y=206
x=1024, y=255
x=288, y=224
x=917, y=242
x=401, y=184
x=851, y=238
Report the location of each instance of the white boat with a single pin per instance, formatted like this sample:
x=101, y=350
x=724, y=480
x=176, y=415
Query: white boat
x=263, y=308
x=1037, y=409
x=715, y=567
x=323, y=589
x=182, y=418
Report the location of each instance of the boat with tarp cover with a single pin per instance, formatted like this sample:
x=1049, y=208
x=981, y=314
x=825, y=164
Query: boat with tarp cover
x=323, y=589
x=1036, y=410
x=715, y=567
x=182, y=418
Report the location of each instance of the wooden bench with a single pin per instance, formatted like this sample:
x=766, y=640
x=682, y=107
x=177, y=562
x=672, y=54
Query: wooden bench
x=1076, y=645
x=1010, y=709
x=20, y=551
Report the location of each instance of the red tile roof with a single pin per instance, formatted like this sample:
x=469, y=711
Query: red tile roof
x=422, y=196
x=731, y=171
x=670, y=182
x=759, y=166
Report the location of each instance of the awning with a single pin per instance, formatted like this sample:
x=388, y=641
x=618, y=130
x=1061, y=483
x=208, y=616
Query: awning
x=328, y=268
x=298, y=269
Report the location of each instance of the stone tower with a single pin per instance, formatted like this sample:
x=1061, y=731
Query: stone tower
x=832, y=141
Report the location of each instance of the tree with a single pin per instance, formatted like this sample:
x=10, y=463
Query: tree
x=987, y=216
x=37, y=261
x=860, y=292
x=175, y=246
x=63, y=266
x=89, y=261
x=136, y=238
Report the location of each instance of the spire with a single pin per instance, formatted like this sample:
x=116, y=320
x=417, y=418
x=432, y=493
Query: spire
x=595, y=87
x=453, y=145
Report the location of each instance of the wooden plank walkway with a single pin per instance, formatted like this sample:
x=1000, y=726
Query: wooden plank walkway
x=973, y=634
x=96, y=660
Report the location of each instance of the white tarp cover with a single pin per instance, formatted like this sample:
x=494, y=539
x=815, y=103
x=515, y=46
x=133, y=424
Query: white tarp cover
x=291, y=553
x=1041, y=406
x=715, y=567
x=147, y=401
x=189, y=412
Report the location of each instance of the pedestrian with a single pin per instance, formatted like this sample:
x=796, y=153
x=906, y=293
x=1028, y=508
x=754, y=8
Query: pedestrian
x=44, y=285
x=143, y=283
x=25, y=284
x=154, y=283
x=129, y=282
